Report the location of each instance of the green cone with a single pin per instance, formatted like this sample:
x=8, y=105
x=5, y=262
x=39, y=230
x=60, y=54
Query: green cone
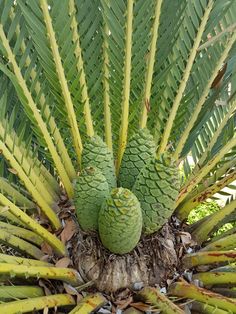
x=157, y=188
x=140, y=148
x=90, y=192
x=120, y=221
x=97, y=154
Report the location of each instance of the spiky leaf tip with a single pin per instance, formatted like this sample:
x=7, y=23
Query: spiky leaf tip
x=97, y=154
x=157, y=188
x=120, y=221
x=139, y=150
x=90, y=192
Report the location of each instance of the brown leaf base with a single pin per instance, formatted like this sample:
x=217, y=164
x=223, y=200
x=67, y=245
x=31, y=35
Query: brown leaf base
x=153, y=262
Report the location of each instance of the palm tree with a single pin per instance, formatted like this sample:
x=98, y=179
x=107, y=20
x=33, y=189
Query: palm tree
x=99, y=93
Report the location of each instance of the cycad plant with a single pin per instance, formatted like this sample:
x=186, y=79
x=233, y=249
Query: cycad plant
x=103, y=105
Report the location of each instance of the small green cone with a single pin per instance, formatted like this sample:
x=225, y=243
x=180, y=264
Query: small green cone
x=140, y=148
x=157, y=188
x=97, y=154
x=120, y=221
x=90, y=192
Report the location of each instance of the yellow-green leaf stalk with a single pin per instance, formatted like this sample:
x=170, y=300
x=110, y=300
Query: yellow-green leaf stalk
x=150, y=65
x=6, y=215
x=68, y=275
x=202, y=232
x=46, y=209
x=38, y=173
x=221, y=236
x=204, y=184
x=106, y=87
x=126, y=88
x=59, y=143
x=185, y=290
x=80, y=68
x=186, y=74
x=200, y=104
x=89, y=304
x=19, y=198
x=185, y=208
x=62, y=79
x=217, y=278
x=214, y=139
x=48, y=237
x=159, y=301
x=41, y=124
x=213, y=39
x=25, y=155
x=207, y=309
x=189, y=186
x=11, y=259
x=20, y=292
x=208, y=257
x=21, y=233
x=19, y=151
x=225, y=243
x=38, y=303
x=20, y=244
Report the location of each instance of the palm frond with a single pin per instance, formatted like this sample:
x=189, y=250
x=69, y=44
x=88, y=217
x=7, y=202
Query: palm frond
x=202, y=67
x=185, y=77
x=34, y=226
x=38, y=303
x=189, y=186
x=27, y=100
x=19, y=244
x=80, y=68
x=214, y=300
x=13, y=192
x=45, y=110
x=150, y=65
x=203, y=231
x=126, y=86
x=62, y=79
x=203, y=97
x=20, y=292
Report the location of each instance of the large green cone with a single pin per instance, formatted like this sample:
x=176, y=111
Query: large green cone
x=90, y=192
x=157, y=188
x=97, y=154
x=140, y=148
x=120, y=221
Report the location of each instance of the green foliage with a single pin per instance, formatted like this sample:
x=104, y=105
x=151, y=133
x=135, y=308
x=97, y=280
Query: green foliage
x=202, y=210
x=120, y=221
x=205, y=209
x=224, y=228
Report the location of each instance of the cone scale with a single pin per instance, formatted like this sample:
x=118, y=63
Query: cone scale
x=97, y=154
x=139, y=150
x=90, y=192
x=120, y=221
x=157, y=188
